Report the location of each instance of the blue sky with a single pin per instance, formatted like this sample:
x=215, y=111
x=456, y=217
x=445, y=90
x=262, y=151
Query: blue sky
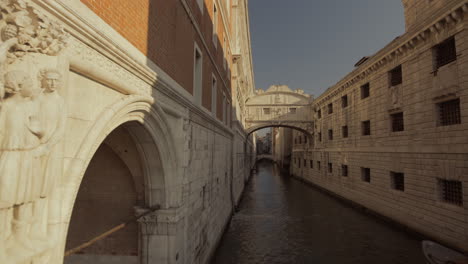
x=311, y=45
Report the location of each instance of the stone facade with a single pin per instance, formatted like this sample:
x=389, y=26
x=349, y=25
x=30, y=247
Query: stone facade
x=392, y=135
x=122, y=108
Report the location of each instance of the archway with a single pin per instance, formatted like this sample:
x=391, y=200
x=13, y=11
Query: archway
x=113, y=188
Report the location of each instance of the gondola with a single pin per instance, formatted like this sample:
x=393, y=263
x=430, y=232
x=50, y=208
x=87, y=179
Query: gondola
x=438, y=254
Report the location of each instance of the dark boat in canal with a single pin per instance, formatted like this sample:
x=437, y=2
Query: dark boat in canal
x=438, y=254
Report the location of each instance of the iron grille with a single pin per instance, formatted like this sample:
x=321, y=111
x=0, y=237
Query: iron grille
x=345, y=131
x=397, y=122
x=330, y=168
x=319, y=113
x=305, y=162
x=398, y=181
x=330, y=134
x=451, y=191
x=449, y=113
x=445, y=52
x=344, y=170
x=318, y=165
x=365, y=174
x=366, y=131
x=330, y=108
x=365, y=91
x=344, y=101
x=311, y=164
x=396, y=76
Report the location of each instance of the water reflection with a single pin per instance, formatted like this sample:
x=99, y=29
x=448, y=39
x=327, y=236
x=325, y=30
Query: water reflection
x=281, y=220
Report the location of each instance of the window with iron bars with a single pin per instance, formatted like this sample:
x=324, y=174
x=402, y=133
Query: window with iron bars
x=365, y=174
x=366, y=130
x=319, y=113
x=344, y=170
x=320, y=136
x=305, y=163
x=330, y=134
x=344, y=101
x=396, y=76
x=365, y=91
x=451, y=191
x=330, y=108
x=449, y=112
x=398, y=181
x=445, y=52
x=311, y=164
x=330, y=168
x=397, y=122
x=318, y=165
x=344, y=131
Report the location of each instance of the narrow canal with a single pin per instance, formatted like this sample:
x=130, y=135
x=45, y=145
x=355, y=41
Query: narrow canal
x=282, y=220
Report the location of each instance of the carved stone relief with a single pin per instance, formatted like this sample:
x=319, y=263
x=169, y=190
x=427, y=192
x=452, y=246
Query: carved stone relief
x=32, y=120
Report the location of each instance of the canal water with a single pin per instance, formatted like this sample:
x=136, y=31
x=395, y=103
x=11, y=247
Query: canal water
x=282, y=220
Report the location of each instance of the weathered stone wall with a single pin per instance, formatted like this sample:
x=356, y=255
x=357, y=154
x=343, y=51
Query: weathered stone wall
x=425, y=151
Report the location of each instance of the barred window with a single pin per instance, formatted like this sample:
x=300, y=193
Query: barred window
x=311, y=164
x=344, y=101
x=344, y=131
x=344, y=170
x=319, y=113
x=398, y=180
x=320, y=136
x=305, y=162
x=305, y=139
x=365, y=91
x=365, y=127
x=445, y=52
x=330, y=167
x=365, y=174
x=266, y=111
x=299, y=163
x=451, y=191
x=330, y=134
x=449, y=113
x=397, y=122
x=396, y=76
x=318, y=165
x=330, y=108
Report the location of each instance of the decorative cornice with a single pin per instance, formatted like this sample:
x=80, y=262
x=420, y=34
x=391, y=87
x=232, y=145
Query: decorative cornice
x=398, y=48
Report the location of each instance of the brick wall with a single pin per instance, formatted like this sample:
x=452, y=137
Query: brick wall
x=163, y=31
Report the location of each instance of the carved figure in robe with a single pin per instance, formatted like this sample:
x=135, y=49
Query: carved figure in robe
x=394, y=96
x=20, y=136
x=52, y=116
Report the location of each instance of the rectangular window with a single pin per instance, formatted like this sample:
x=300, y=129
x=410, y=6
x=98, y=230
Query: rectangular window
x=311, y=164
x=215, y=25
x=365, y=174
x=305, y=139
x=344, y=170
x=396, y=76
x=292, y=110
x=214, y=95
x=318, y=165
x=344, y=131
x=299, y=163
x=330, y=108
x=266, y=111
x=451, y=191
x=320, y=136
x=330, y=168
x=305, y=163
x=197, y=75
x=300, y=139
x=365, y=127
x=445, y=52
x=449, y=112
x=330, y=134
x=397, y=122
x=319, y=113
x=365, y=91
x=344, y=101
x=398, y=180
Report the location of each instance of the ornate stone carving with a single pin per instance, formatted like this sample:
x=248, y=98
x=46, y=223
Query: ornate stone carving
x=32, y=119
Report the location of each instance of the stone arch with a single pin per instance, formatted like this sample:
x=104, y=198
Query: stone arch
x=149, y=128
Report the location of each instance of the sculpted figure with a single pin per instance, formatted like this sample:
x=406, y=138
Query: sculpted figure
x=394, y=96
x=20, y=136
